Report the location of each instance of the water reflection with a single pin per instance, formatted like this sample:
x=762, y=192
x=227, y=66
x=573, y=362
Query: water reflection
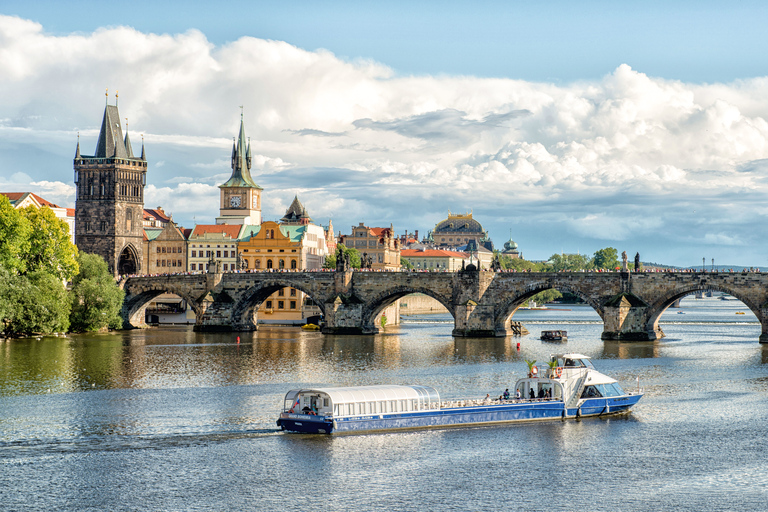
x=631, y=349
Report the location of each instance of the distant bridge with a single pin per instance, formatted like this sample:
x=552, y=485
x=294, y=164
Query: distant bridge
x=482, y=303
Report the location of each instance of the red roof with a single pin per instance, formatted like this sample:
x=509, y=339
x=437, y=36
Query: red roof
x=230, y=230
x=431, y=253
x=70, y=212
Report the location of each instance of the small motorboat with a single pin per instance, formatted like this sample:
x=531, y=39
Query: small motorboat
x=554, y=335
x=310, y=327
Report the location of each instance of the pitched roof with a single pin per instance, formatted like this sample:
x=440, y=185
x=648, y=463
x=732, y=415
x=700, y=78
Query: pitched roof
x=111, y=143
x=431, y=253
x=157, y=214
x=230, y=230
x=151, y=233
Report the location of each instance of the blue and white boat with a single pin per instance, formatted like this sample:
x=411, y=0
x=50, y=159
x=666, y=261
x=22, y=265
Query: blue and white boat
x=571, y=388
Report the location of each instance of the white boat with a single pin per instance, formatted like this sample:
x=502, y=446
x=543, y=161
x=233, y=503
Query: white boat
x=572, y=388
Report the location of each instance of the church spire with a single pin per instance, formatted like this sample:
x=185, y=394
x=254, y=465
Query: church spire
x=241, y=162
x=77, y=152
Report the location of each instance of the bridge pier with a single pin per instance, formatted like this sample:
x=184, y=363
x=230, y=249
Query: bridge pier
x=625, y=318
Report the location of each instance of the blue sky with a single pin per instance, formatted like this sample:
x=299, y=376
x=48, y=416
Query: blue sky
x=571, y=126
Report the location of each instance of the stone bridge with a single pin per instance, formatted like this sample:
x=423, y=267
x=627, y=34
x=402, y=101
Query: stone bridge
x=482, y=303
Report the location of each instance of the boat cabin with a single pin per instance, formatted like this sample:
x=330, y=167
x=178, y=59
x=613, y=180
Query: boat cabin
x=554, y=335
x=360, y=401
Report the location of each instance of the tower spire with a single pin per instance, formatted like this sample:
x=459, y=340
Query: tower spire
x=77, y=151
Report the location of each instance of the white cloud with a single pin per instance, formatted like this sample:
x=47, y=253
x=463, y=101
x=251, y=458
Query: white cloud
x=364, y=144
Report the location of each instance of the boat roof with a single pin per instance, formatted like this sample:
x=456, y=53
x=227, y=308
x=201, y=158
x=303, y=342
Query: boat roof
x=571, y=356
x=596, y=377
x=343, y=395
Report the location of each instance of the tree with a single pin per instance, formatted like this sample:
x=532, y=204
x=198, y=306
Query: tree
x=33, y=303
x=96, y=298
x=14, y=238
x=574, y=262
x=354, y=257
x=607, y=258
x=50, y=248
x=405, y=263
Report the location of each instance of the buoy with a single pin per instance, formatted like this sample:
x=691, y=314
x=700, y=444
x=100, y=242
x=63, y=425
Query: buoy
x=238, y=339
x=518, y=345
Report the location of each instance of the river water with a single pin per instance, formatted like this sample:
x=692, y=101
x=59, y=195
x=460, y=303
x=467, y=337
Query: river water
x=168, y=419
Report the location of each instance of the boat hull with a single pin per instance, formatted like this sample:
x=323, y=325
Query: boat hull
x=457, y=417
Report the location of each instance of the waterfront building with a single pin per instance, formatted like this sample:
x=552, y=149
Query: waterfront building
x=23, y=199
x=240, y=196
x=435, y=259
x=380, y=244
x=109, y=203
x=215, y=243
x=458, y=230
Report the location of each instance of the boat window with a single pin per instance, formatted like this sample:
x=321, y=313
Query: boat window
x=591, y=392
x=587, y=363
x=325, y=402
x=610, y=389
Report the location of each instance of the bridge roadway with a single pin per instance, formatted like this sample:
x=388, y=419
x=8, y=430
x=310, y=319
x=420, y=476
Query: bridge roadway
x=482, y=303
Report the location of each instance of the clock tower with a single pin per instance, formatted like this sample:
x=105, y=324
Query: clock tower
x=240, y=195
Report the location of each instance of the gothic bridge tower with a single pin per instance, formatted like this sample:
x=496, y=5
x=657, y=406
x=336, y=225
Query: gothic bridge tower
x=109, y=207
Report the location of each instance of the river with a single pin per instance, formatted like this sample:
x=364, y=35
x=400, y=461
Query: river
x=169, y=419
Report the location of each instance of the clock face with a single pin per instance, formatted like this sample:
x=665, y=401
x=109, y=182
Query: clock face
x=234, y=201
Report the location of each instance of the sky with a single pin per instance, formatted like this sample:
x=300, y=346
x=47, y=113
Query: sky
x=567, y=126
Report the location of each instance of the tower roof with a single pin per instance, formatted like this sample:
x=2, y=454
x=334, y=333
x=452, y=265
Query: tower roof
x=296, y=213
x=111, y=142
x=241, y=163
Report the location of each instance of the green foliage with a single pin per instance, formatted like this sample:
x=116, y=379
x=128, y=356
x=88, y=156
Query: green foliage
x=607, y=259
x=330, y=261
x=32, y=303
x=546, y=296
x=96, y=298
x=405, y=263
x=383, y=321
x=50, y=248
x=530, y=365
x=573, y=262
x=354, y=257
x=520, y=265
x=14, y=238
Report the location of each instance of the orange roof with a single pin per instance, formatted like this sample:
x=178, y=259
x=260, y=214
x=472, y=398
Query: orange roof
x=431, y=253
x=15, y=196
x=230, y=230
x=70, y=212
x=158, y=214
x=378, y=231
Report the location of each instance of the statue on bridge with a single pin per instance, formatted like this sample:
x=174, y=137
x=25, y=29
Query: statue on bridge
x=496, y=263
x=342, y=261
x=213, y=265
x=637, y=262
x=624, y=267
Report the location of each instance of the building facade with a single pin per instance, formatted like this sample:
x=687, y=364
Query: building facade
x=109, y=202
x=213, y=244
x=457, y=230
x=379, y=244
x=165, y=250
x=435, y=259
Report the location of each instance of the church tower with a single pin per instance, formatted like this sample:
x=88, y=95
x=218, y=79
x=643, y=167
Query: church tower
x=240, y=195
x=109, y=206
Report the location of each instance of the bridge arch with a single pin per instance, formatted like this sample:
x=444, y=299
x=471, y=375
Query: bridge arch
x=136, y=301
x=658, y=307
x=381, y=301
x=245, y=310
x=506, y=309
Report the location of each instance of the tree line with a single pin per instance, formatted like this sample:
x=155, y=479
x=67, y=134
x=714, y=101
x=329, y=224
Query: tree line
x=46, y=285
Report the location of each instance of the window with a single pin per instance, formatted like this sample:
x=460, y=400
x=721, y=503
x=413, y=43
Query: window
x=158, y=251
x=218, y=254
x=293, y=292
x=281, y=304
x=194, y=254
x=163, y=250
x=281, y=292
x=225, y=267
x=193, y=266
x=226, y=254
x=293, y=264
x=158, y=263
x=282, y=264
x=269, y=263
x=269, y=304
x=293, y=304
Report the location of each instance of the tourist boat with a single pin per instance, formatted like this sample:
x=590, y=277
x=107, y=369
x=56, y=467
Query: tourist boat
x=554, y=335
x=571, y=388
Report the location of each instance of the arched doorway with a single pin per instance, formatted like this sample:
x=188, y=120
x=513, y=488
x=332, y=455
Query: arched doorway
x=128, y=262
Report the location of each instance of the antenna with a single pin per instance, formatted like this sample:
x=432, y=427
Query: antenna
x=116, y=97
x=106, y=94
